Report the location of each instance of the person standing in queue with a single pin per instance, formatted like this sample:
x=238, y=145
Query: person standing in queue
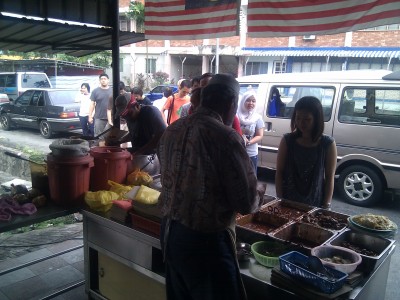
x=174, y=103
x=207, y=178
x=138, y=94
x=252, y=125
x=122, y=99
x=99, y=104
x=145, y=125
x=306, y=160
x=84, y=99
x=189, y=108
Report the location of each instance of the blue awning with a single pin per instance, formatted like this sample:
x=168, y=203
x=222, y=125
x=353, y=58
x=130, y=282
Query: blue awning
x=325, y=52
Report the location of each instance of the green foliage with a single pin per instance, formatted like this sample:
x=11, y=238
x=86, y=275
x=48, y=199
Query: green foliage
x=160, y=77
x=101, y=59
x=136, y=12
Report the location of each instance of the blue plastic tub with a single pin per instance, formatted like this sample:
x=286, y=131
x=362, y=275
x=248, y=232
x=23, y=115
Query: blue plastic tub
x=295, y=264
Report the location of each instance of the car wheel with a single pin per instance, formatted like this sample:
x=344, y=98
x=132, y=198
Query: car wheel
x=45, y=129
x=5, y=121
x=360, y=185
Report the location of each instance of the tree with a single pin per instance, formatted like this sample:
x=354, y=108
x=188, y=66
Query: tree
x=160, y=77
x=136, y=12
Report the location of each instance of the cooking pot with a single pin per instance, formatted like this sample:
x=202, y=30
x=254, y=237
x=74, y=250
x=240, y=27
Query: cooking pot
x=145, y=163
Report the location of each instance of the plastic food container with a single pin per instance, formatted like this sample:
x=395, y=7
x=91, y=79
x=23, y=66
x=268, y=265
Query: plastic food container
x=388, y=233
x=329, y=251
x=275, y=249
x=295, y=264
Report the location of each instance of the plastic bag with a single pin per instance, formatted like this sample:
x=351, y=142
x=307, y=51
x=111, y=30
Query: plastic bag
x=118, y=188
x=138, y=177
x=100, y=200
x=147, y=195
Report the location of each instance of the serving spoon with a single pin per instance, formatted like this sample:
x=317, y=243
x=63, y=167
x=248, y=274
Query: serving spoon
x=315, y=265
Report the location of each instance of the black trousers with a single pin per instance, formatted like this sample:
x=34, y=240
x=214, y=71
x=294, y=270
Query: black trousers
x=200, y=266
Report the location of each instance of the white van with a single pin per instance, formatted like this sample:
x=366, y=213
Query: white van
x=15, y=83
x=361, y=112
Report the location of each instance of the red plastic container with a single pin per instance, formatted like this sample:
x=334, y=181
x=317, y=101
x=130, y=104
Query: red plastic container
x=69, y=178
x=110, y=163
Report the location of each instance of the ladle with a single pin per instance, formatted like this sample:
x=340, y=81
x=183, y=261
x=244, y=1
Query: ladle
x=18, y=155
x=315, y=265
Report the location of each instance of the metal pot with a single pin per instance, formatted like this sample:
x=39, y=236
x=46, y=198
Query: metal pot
x=145, y=163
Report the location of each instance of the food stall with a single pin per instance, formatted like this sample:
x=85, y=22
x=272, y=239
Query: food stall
x=123, y=254
x=115, y=252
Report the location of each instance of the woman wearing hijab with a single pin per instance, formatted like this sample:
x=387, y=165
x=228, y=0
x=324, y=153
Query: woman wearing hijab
x=252, y=125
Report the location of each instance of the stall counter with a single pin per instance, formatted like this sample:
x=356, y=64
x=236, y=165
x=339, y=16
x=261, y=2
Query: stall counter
x=113, y=249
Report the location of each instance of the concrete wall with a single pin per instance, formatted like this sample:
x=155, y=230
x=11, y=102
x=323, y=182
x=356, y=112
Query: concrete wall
x=14, y=166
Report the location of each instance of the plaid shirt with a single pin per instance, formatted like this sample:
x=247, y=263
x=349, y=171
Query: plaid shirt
x=206, y=174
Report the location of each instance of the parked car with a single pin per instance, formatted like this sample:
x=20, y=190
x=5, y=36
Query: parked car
x=158, y=92
x=361, y=112
x=49, y=110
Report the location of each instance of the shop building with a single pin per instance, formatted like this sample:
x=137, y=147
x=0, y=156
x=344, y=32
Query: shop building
x=374, y=48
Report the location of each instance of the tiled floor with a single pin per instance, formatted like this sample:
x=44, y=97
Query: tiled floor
x=42, y=279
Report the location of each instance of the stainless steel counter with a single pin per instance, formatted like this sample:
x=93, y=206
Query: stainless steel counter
x=141, y=252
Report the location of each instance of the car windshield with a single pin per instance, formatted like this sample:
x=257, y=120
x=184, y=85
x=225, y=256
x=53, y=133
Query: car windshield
x=62, y=97
x=34, y=81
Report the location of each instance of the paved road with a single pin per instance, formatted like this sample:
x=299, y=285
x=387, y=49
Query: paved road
x=29, y=138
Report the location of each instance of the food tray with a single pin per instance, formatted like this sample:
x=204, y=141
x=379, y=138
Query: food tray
x=261, y=222
x=294, y=264
x=303, y=235
x=326, y=219
x=290, y=210
x=139, y=222
x=379, y=245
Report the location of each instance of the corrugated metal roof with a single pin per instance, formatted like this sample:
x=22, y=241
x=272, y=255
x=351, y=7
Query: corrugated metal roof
x=331, y=52
x=25, y=35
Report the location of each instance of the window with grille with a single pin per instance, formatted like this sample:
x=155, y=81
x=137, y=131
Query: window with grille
x=151, y=65
x=255, y=68
x=279, y=67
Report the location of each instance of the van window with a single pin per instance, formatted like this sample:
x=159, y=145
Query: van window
x=34, y=81
x=245, y=87
x=11, y=81
x=373, y=106
x=289, y=95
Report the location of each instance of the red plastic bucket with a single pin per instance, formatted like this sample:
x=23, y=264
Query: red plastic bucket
x=110, y=163
x=69, y=178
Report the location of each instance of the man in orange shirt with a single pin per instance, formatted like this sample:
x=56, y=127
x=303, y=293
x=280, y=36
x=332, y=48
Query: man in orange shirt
x=174, y=103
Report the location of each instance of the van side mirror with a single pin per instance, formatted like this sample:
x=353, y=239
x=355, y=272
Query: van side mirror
x=25, y=80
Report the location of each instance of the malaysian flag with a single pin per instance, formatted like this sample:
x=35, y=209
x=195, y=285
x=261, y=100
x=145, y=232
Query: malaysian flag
x=276, y=18
x=190, y=19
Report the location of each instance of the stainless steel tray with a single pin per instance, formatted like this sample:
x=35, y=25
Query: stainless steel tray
x=338, y=220
x=302, y=235
x=379, y=245
x=288, y=209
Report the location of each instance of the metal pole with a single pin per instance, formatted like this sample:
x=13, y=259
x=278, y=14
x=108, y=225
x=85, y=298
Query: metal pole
x=182, y=66
x=217, y=57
